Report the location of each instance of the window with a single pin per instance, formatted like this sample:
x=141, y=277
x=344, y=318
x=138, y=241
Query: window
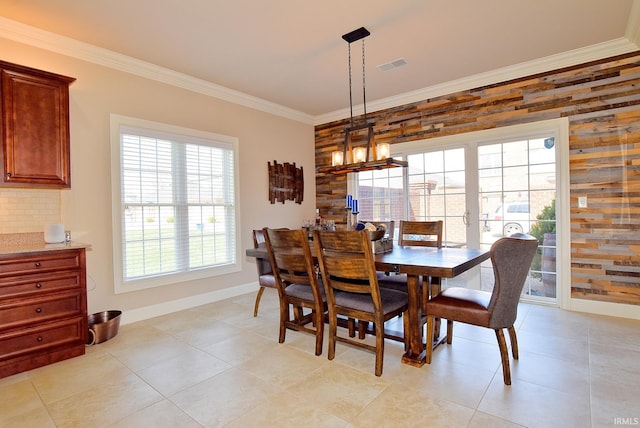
x=380, y=194
x=174, y=204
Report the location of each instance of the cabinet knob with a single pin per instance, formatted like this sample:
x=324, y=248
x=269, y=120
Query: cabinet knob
x=38, y=310
x=37, y=264
x=8, y=175
x=38, y=285
x=40, y=339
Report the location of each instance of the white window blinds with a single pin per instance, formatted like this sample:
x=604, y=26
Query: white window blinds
x=177, y=200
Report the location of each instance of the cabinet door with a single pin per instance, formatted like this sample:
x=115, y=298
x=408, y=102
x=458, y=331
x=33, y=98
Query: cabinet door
x=35, y=130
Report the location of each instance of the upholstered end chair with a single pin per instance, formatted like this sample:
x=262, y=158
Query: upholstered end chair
x=265, y=272
x=511, y=258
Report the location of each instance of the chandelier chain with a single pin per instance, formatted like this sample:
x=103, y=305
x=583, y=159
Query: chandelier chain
x=364, y=93
x=350, y=92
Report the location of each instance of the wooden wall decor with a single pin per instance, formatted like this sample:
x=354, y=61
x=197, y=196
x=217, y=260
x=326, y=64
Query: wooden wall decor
x=286, y=182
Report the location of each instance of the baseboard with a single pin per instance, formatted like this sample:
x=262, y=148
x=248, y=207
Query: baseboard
x=140, y=314
x=619, y=310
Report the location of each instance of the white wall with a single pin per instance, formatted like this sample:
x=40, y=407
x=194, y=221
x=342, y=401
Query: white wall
x=85, y=208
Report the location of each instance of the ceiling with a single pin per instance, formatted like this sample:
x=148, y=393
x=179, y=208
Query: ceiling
x=290, y=52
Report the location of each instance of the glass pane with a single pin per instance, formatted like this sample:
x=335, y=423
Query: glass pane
x=541, y=151
x=416, y=164
x=516, y=178
x=434, y=162
x=454, y=160
x=490, y=156
x=455, y=182
x=515, y=153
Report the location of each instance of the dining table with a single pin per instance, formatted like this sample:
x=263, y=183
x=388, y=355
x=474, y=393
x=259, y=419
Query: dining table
x=416, y=262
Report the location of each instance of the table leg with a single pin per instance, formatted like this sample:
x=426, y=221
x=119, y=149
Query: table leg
x=416, y=354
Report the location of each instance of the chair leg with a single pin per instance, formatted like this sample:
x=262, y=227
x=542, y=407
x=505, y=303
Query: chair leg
x=504, y=354
x=449, y=331
x=351, y=327
x=258, y=297
x=379, y=348
x=333, y=331
x=430, y=331
x=284, y=318
x=362, y=329
x=319, y=331
x=435, y=285
x=514, y=342
x=431, y=287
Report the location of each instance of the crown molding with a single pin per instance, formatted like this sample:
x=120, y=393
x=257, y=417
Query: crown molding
x=553, y=62
x=633, y=24
x=36, y=37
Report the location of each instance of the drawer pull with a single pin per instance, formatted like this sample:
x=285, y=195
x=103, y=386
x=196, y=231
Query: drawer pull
x=37, y=264
x=38, y=310
x=38, y=285
x=40, y=339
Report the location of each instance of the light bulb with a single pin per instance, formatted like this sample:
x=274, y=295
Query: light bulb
x=337, y=158
x=359, y=154
x=383, y=150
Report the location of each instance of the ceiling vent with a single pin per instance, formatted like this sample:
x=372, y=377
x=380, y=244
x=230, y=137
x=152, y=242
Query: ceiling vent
x=393, y=64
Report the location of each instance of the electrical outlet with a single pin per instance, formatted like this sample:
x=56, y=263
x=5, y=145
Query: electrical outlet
x=582, y=202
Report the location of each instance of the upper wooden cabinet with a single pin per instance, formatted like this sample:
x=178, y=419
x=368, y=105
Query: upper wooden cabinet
x=35, y=128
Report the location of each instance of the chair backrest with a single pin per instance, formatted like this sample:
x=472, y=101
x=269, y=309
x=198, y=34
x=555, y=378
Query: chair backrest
x=421, y=233
x=347, y=263
x=511, y=258
x=263, y=265
x=291, y=259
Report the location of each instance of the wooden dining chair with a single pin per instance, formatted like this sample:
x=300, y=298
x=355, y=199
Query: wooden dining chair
x=297, y=283
x=265, y=272
x=511, y=258
x=348, y=270
x=421, y=233
x=416, y=233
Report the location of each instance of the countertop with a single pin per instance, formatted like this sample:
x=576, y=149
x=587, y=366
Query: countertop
x=15, y=243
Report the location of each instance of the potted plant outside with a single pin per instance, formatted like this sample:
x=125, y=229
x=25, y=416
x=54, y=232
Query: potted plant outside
x=545, y=230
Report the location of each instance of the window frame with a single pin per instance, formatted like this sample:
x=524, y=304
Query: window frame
x=161, y=130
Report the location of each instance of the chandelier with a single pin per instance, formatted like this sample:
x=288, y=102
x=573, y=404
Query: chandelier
x=359, y=158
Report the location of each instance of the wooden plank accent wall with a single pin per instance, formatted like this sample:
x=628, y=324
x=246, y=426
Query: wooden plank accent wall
x=601, y=100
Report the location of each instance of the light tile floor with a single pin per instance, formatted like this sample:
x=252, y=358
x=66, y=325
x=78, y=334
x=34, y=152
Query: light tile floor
x=218, y=366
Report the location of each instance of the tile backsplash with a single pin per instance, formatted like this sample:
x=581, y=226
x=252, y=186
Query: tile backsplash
x=28, y=210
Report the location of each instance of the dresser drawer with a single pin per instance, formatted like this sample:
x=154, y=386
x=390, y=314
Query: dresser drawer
x=28, y=312
x=41, y=262
x=26, y=285
x=40, y=338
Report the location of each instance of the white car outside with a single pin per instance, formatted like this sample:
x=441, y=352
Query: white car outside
x=515, y=218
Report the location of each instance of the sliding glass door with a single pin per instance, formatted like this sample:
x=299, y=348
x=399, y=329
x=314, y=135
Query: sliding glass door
x=483, y=188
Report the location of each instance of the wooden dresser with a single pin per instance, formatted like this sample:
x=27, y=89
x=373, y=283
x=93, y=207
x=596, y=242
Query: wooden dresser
x=43, y=306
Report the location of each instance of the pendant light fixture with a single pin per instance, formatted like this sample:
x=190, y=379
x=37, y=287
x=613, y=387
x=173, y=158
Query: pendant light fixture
x=373, y=156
